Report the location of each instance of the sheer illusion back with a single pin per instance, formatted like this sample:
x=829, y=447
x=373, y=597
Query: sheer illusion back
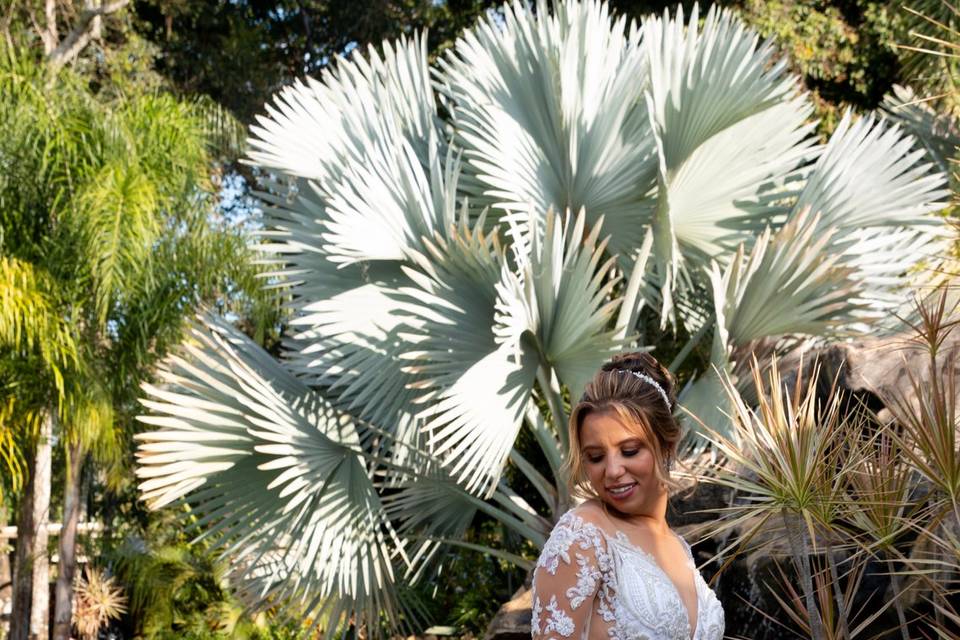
x=592, y=584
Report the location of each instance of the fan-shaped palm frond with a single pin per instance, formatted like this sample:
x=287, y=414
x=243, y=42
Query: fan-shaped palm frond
x=547, y=109
x=868, y=176
x=348, y=206
x=487, y=330
x=880, y=193
x=937, y=133
x=721, y=169
x=470, y=379
x=788, y=284
x=369, y=139
x=274, y=469
x=567, y=292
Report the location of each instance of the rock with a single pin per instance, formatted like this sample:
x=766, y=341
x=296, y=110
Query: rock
x=512, y=621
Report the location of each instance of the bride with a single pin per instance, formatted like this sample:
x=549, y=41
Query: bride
x=612, y=568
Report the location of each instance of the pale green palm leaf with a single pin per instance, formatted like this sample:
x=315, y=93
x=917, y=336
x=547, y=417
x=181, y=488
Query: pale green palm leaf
x=789, y=283
x=568, y=283
x=474, y=384
x=937, y=133
x=489, y=328
x=547, y=109
x=869, y=175
x=369, y=140
x=428, y=509
x=344, y=325
x=883, y=195
x=731, y=136
x=275, y=470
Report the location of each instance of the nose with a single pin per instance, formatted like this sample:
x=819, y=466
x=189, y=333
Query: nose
x=614, y=467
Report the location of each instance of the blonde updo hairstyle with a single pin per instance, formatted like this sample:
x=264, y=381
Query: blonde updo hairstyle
x=638, y=405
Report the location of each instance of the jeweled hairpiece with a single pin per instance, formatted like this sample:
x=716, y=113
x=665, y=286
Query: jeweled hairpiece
x=653, y=382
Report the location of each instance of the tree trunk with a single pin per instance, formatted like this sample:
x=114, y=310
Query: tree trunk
x=897, y=599
x=67, y=568
x=800, y=549
x=22, y=561
x=6, y=585
x=31, y=571
x=838, y=595
x=40, y=585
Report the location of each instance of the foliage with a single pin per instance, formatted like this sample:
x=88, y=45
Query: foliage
x=851, y=487
x=472, y=585
x=930, y=52
x=239, y=53
x=845, y=51
x=175, y=590
x=98, y=602
x=111, y=222
x=108, y=236
x=462, y=258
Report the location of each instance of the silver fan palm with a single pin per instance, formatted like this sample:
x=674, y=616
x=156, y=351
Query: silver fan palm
x=464, y=244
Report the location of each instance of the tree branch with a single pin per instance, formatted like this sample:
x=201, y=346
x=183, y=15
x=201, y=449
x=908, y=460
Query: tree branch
x=80, y=35
x=49, y=35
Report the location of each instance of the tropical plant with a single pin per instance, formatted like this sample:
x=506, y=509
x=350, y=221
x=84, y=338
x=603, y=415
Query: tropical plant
x=850, y=486
x=928, y=418
x=931, y=52
x=106, y=239
x=99, y=601
x=464, y=245
x=787, y=457
x=174, y=590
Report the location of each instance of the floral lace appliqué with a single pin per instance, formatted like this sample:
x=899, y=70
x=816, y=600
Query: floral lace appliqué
x=558, y=620
x=627, y=595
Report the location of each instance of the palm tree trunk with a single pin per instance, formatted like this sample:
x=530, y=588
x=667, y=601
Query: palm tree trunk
x=40, y=588
x=63, y=608
x=6, y=584
x=31, y=570
x=800, y=548
x=22, y=562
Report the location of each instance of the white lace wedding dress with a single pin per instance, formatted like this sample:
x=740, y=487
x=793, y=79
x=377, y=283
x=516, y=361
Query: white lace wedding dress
x=590, y=584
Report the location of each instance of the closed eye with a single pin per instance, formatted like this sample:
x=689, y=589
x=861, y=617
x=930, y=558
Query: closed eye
x=627, y=453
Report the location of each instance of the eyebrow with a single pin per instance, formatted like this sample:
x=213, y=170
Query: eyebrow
x=625, y=440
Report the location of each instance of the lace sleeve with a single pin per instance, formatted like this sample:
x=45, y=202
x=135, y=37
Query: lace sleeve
x=570, y=581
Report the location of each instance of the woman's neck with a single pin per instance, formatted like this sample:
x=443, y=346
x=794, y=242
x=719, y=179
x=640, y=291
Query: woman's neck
x=652, y=517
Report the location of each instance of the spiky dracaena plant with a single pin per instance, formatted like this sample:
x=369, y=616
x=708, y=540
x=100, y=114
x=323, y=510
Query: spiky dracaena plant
x=99, y=601
x=465, y=245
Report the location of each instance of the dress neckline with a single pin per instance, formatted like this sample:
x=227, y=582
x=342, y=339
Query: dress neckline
x=622, y=538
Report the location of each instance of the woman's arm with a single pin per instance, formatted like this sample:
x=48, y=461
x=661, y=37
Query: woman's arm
x=570, y=579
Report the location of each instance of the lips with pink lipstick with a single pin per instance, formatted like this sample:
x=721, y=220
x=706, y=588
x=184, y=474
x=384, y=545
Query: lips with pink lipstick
x=622, y=491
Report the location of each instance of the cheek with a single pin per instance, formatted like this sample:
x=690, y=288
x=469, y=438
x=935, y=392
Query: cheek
x=594, y=475
x=645, y=463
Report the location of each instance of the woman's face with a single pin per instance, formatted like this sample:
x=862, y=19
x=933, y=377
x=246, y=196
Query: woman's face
x=619, y=464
